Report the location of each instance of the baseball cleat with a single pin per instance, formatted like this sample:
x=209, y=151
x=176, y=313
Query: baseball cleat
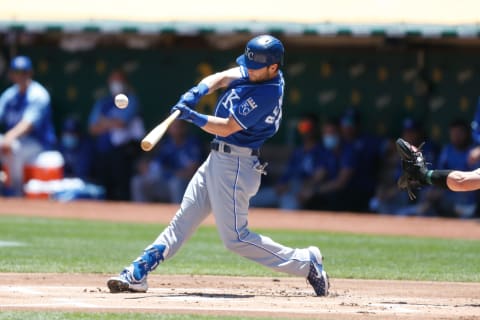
x=126, y=282
x=317, y=277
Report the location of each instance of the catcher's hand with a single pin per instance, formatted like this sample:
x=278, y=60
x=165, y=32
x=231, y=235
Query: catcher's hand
x=414, y=167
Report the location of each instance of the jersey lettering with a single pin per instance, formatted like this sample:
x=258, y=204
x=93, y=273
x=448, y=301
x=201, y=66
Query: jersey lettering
x=276, y=115
x=229, y=100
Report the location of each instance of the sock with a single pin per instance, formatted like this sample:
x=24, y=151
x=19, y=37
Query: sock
x=437, y=178
x=153, y=255
x=150, y=259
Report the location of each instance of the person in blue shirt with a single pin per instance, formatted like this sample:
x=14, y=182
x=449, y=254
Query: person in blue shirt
x=165, y=177
x=474, y=155
x=454, y=156
x=457, y=180
x=368, y=151
x=475, y=125
x=388, y=198
x=333, y=173
x=25, y=122
x=299, y=170
x=116, y=134
x=248, y=112
x=77, y=149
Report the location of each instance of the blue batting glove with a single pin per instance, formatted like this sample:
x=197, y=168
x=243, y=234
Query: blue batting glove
x=190, y=115
x=193, y=96
x=185, y=111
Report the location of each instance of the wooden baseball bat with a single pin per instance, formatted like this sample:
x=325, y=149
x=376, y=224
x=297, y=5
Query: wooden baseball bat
x=152, y=138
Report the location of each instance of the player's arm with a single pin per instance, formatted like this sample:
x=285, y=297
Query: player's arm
x=23, y=127
x=34, y=112
x=222, y=127
x=308, y=186
x=19, y=130
x=338, y=183
x=99, y=124
x=221, y=79
x=209, y=84
x=215, y=125
x=105, y=124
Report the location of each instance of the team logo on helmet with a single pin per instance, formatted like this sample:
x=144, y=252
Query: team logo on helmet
x=250, y=55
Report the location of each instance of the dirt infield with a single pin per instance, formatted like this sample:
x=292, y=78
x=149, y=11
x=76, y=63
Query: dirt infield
x=282, y=297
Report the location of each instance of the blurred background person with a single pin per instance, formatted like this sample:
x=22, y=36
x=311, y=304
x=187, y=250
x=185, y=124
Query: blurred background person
x=413, y=132
x=389, y=199
x=299, y=170
x=116, y=134
x=368, y=151
x=26, y=123
x=474, y=155
x=454, y=156
x=165, y=176
x=77, y=149
x=329, y=188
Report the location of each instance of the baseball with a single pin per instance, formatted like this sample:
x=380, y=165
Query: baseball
x=121, y=101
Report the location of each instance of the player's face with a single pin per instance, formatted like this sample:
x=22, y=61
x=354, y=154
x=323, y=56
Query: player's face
x=263, y=74
x=19, y=77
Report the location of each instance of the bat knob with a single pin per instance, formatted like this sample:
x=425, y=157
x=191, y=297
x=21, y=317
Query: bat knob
x=146, y=146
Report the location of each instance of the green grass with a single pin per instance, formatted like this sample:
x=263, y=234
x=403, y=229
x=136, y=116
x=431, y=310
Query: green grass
x=57, y=245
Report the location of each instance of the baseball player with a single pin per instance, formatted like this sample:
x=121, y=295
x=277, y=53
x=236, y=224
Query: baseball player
x=247, y=113
x=416, y=174
x=25, y=114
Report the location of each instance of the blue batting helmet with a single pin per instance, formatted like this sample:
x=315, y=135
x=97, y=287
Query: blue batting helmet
x=262, y=51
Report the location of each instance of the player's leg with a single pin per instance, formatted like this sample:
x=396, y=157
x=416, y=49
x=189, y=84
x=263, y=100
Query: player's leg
x=194, y=208
x=230, y=193
x=25, y=151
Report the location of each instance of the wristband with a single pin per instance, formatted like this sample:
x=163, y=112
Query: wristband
x=198, y=119
x=202, y=89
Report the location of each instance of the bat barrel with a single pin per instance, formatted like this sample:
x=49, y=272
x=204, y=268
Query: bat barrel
x=152, y=138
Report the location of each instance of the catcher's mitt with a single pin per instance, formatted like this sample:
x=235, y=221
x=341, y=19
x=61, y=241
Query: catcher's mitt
x=413, y=165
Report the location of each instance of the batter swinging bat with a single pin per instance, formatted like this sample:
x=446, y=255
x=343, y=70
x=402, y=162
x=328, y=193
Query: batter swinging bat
x=152, y=138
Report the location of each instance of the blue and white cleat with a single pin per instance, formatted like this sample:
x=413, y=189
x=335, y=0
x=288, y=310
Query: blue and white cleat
x=126, y=281
x=317, y=277
x=134, y=277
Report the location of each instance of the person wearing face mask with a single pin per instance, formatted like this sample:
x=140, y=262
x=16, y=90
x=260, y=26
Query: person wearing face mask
x=116, y=133
x=334, y=170
x=369, y=150
x=77, y=150
x=299, y=170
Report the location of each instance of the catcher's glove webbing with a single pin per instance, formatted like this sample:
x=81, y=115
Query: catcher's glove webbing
x=413, y=165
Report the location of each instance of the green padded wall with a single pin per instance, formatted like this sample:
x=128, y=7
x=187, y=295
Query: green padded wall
x=385, y=85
